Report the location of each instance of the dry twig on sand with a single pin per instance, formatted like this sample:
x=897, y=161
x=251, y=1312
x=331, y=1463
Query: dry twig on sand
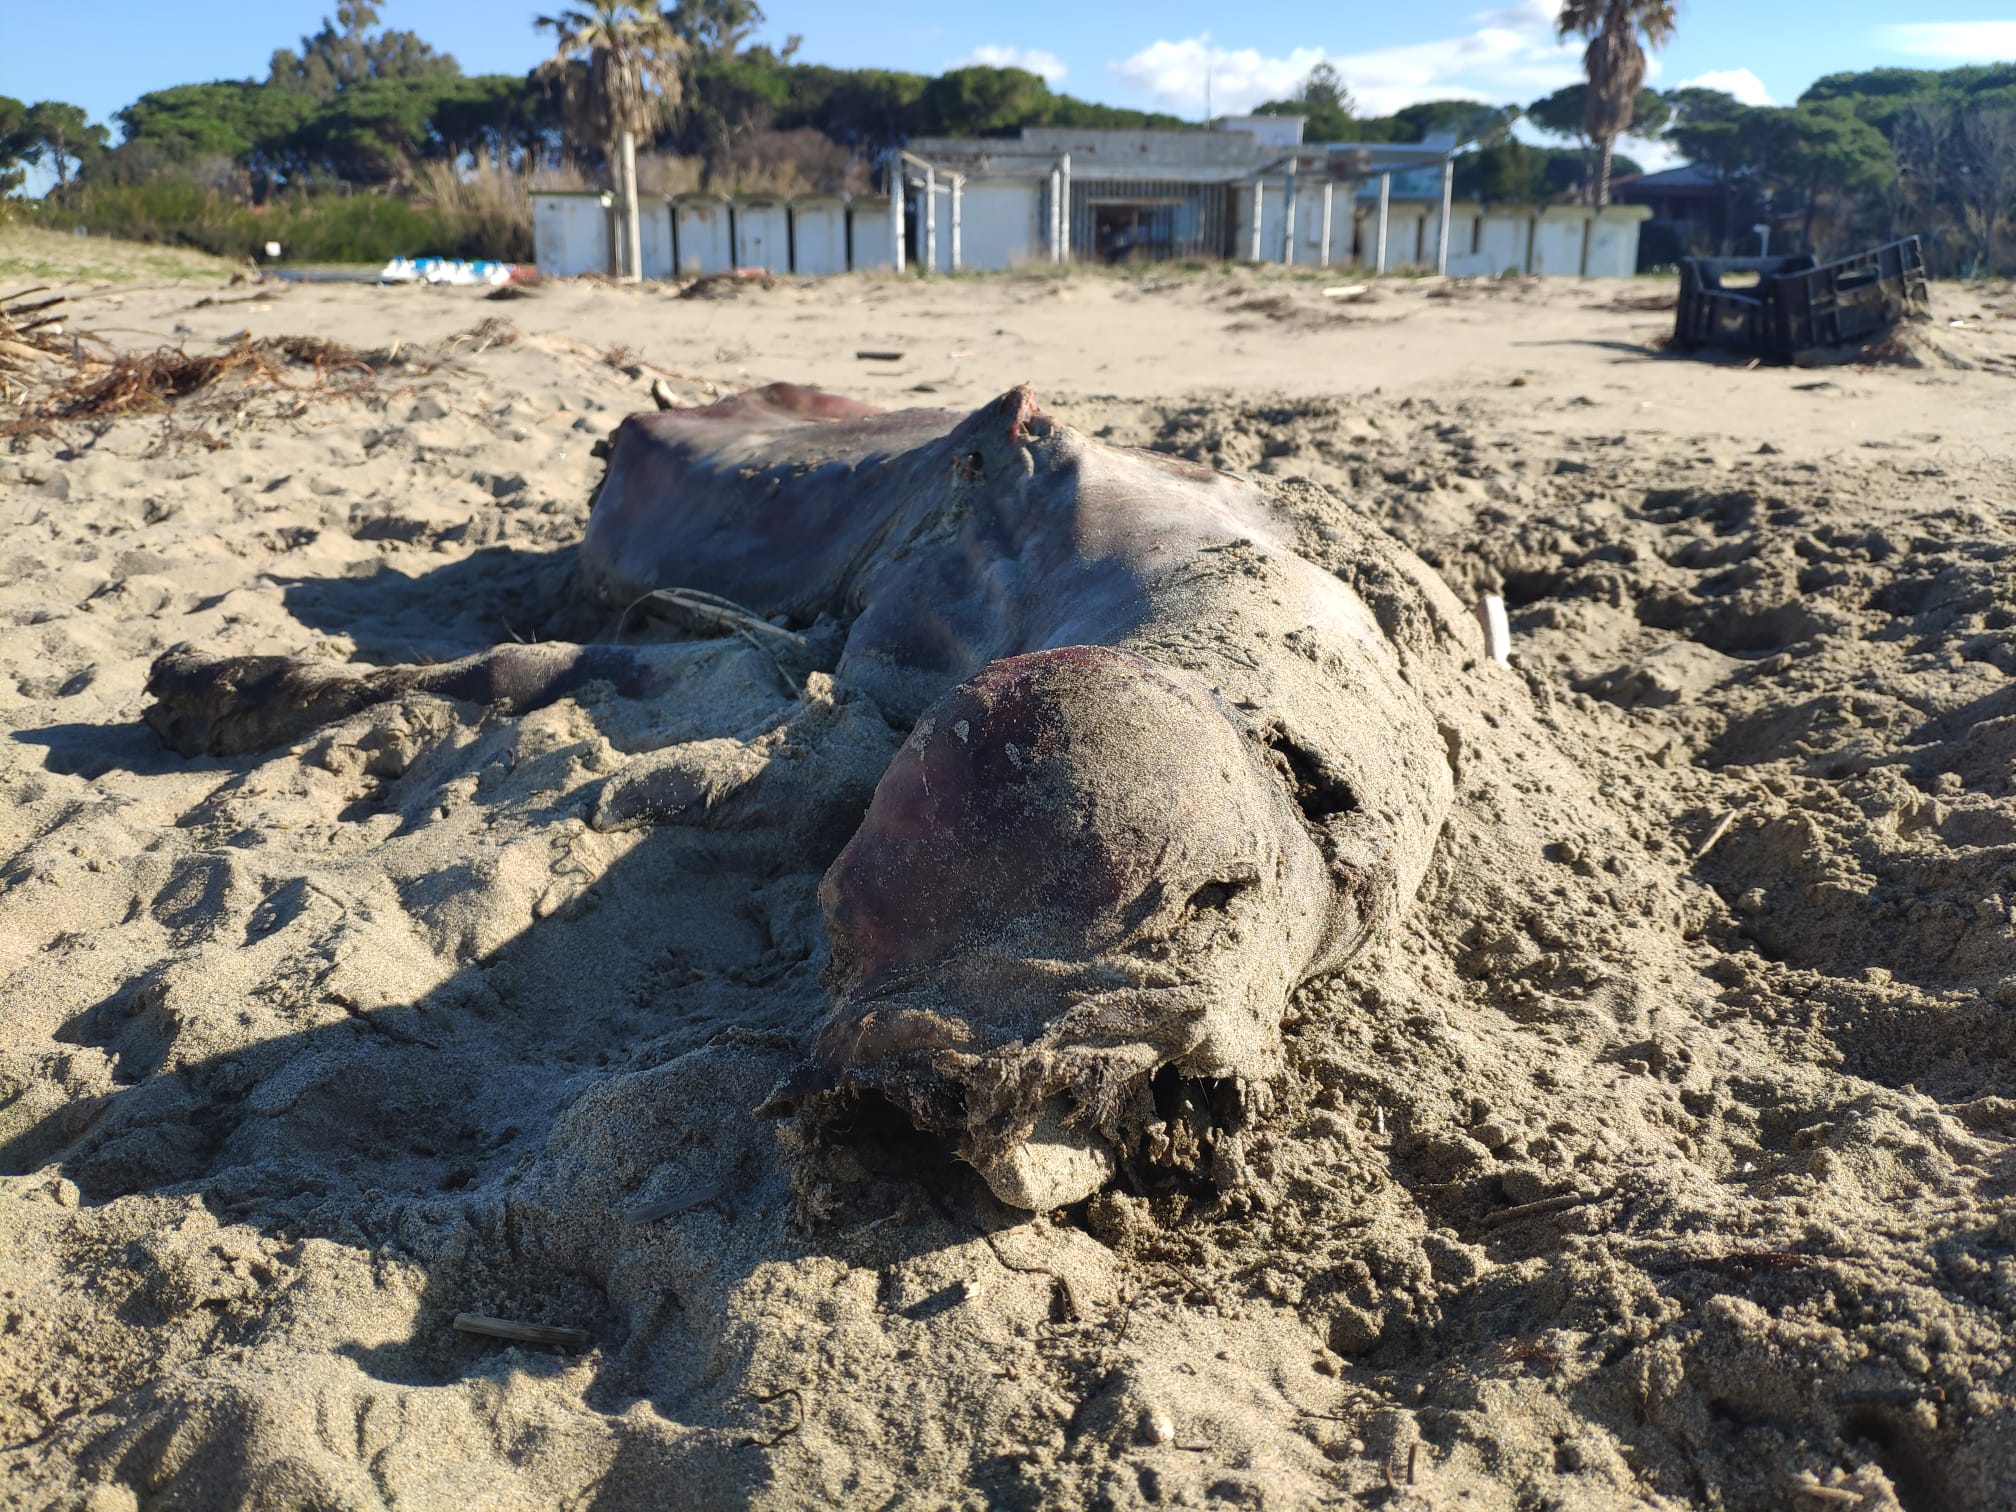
x=1625, y=304
x=30, y=339
x=521, y=1333
x=480, y=338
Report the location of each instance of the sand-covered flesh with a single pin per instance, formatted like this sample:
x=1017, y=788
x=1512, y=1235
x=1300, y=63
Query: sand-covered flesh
x=1662, y=1158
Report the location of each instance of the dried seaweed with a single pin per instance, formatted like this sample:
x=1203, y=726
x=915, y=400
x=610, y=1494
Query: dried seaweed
x=270, y=377
x=144, y=382
x=727, y=285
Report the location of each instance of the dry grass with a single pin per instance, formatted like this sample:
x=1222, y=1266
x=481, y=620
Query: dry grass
x=38, y=255
x=663, y=173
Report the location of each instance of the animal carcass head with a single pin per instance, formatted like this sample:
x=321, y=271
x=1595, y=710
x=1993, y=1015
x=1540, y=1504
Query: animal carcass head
x=1081, y=868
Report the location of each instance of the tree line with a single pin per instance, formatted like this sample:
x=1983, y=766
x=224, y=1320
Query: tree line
x=1859, y=157
x=364, y=106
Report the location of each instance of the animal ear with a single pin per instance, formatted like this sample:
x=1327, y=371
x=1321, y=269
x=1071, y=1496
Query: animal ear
x=805, y=1080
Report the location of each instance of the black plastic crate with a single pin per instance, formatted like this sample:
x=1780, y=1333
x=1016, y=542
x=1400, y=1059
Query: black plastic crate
x=1796, y=306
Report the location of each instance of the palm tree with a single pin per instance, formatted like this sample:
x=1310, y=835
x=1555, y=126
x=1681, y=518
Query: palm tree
x=1615, y=64
x=621, y=67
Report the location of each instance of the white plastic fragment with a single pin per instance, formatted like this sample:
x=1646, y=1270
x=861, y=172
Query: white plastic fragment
x=1497, y=629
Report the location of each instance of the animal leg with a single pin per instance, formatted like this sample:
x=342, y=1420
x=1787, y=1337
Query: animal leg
x=226, y=706
x=813, y=775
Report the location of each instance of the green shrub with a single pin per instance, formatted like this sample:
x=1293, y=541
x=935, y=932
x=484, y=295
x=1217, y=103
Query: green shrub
x=311, y=227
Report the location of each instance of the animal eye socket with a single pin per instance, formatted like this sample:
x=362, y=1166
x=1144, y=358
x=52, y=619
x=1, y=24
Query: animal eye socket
x=1216, y=895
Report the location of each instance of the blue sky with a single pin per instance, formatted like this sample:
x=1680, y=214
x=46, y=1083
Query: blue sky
x=1153, y=56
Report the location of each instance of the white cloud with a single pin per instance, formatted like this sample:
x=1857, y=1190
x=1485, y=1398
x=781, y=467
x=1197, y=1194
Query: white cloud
x=1512, y=54
x=1651, y=154
x=1045, y=65
x=1526, y=15
x=1740, y=82
x=1962, y=41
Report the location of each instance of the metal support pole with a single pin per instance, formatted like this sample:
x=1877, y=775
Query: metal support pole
x=930, y=257
x=1057, y=214
x=1259, y=209
x=1385, y=205
x=633, y=233
x=958, y=190
x=896, y=228
x=1328, y=186
x=1291, y=203
x=1064, y=233
x=1448, y=187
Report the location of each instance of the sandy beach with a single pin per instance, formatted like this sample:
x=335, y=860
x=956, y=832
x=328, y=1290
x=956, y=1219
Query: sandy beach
x=1663, y=1159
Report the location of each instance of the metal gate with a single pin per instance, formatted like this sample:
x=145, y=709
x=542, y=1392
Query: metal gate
x=1144, y=219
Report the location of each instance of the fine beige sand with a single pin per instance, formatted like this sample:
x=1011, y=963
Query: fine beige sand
x=1663, y=1159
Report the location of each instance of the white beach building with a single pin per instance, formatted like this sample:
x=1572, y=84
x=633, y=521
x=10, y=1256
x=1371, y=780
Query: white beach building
x=1250, y=190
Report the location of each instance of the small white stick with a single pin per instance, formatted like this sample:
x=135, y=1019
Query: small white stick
x=709, y=607
x=1497, y=629
x=1715, y=835
x=1844, y=1496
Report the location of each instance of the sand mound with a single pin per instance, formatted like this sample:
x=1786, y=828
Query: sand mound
x=1662, y=1160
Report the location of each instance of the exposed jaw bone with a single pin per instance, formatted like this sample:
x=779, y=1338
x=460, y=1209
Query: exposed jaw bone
x=1053, y=1166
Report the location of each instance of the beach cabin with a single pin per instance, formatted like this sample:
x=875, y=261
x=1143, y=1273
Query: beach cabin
x=706, y=243
x=763, y=234
x=1558, y=238
x=573, y=232
x=868, y=234
x=654, y=237
x=819, y=234
x=1002, y=223
x=1568, y=241
x=1612, y=250
x=1408, y=244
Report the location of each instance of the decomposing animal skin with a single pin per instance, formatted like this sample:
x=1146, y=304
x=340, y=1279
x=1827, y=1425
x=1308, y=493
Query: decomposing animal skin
x=1162, y=770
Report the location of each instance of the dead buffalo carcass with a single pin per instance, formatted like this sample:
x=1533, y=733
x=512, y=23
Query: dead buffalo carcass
x=1160, y=768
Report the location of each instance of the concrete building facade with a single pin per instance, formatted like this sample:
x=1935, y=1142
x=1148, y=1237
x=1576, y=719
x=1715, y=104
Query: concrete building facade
x=1250, y=190
x=1064, y=194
